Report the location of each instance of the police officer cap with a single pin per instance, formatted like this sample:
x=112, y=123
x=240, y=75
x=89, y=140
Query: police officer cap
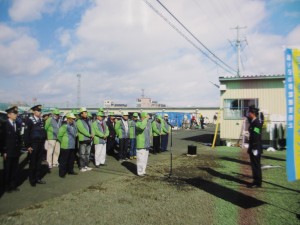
x=144, y=114
x=13, y=109
x=101, y=110
x=253, y=110
x=135, y=115
x=82, y=109
x=36, y=108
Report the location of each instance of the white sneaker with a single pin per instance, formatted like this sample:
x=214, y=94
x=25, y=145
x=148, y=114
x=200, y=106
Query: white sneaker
x=83, y=170
x=88, y=168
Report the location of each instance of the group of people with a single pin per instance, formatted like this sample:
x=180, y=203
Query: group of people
x=71, y=138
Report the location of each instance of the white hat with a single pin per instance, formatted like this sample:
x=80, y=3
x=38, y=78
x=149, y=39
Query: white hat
x=124, y=113
x=166, y=115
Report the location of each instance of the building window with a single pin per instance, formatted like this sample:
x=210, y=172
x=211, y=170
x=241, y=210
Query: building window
x=238, y=108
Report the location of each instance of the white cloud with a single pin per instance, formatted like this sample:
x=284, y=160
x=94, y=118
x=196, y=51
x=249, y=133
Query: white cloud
x=29, y=10
x=120, y=47
x=19, y=54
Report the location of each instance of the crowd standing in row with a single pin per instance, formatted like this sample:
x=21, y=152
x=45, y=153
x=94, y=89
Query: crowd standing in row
x=71, y=138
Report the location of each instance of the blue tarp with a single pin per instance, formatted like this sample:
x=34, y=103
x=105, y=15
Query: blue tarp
x=176, y=118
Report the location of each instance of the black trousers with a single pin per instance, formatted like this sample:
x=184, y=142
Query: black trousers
x=35, y=163
x=256, y=168
x=66, y=161
x=11, y=169
x=110, y=146
x=124, y=143
x=156, y=144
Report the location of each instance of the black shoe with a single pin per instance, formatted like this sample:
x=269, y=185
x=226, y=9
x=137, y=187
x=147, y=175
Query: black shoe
x=103, y=165
x=97, y=166
x=40, y=182
x=64, y=176
x=73, y=173
x=33, y=184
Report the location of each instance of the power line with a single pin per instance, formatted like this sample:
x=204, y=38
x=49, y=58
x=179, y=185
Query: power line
x=185, y=37
x=195, y=37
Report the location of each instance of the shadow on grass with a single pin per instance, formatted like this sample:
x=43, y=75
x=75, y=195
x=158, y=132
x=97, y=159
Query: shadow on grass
x=272, y=158
x=227, y=194
x=223, y=176
x=130, y=166
x=203, y=138
x=276, y=185
x=235, y=160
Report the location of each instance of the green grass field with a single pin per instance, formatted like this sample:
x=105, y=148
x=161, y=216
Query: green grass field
x=207, y=189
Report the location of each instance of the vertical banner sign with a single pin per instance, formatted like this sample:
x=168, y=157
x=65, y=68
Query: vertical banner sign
x=292, y=86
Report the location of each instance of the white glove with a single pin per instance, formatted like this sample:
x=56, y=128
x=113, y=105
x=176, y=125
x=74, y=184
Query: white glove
x=255, y=152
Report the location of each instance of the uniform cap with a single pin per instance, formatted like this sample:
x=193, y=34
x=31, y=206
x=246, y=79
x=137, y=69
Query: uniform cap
x=144, y=114
x=74, y=111
x=101, y=110
x=124, y=113
x=100, y=114
x=135, y=115
x=56, y=111
x=111, y=114
x=253, y=110
x=166, y=115
x=13, y=109
x=82, y=109
x=71, y=115
x=36, y=108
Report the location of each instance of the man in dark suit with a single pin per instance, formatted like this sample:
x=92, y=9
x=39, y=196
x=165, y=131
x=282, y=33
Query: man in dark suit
x=34, y=139
x=10, y=149
x=110, y=145
x=255, y=147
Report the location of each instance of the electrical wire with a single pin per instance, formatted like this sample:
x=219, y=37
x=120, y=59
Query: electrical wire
x=220, y=60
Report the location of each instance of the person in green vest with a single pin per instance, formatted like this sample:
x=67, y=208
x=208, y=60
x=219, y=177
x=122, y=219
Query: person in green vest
x=85, y=138
x=156, y=130
x=122, y=132
x=166, y=129
x=52, y=145
x=100, y=132
x=143, y=142
x=67, y=137
x=132, y=137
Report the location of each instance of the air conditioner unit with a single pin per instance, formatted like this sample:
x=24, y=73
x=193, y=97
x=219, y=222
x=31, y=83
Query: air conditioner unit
x=223, y=87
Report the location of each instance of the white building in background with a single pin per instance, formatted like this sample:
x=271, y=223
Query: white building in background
x=148, y=103
x=111, y=104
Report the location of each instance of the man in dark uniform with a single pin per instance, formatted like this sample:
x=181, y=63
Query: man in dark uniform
x=111, y=143
x=255, y=147
x=34, y=139
x=10, y=148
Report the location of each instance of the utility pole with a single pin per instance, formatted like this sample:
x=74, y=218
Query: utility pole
x=78, y=90
x=238, y=47
x=143, y=93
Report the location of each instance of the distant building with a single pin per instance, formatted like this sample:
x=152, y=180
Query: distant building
x=111, y=104
x=148, y=103
x=239, y=93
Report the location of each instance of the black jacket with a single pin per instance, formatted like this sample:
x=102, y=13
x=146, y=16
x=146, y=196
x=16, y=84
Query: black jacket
x=255, y=130
x=111, y=127
x=34, y=132
x=11, y=140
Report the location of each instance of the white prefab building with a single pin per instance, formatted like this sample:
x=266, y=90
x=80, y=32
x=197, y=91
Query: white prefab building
x=239, y=93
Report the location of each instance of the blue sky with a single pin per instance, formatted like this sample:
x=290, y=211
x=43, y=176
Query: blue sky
x=120, y=47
